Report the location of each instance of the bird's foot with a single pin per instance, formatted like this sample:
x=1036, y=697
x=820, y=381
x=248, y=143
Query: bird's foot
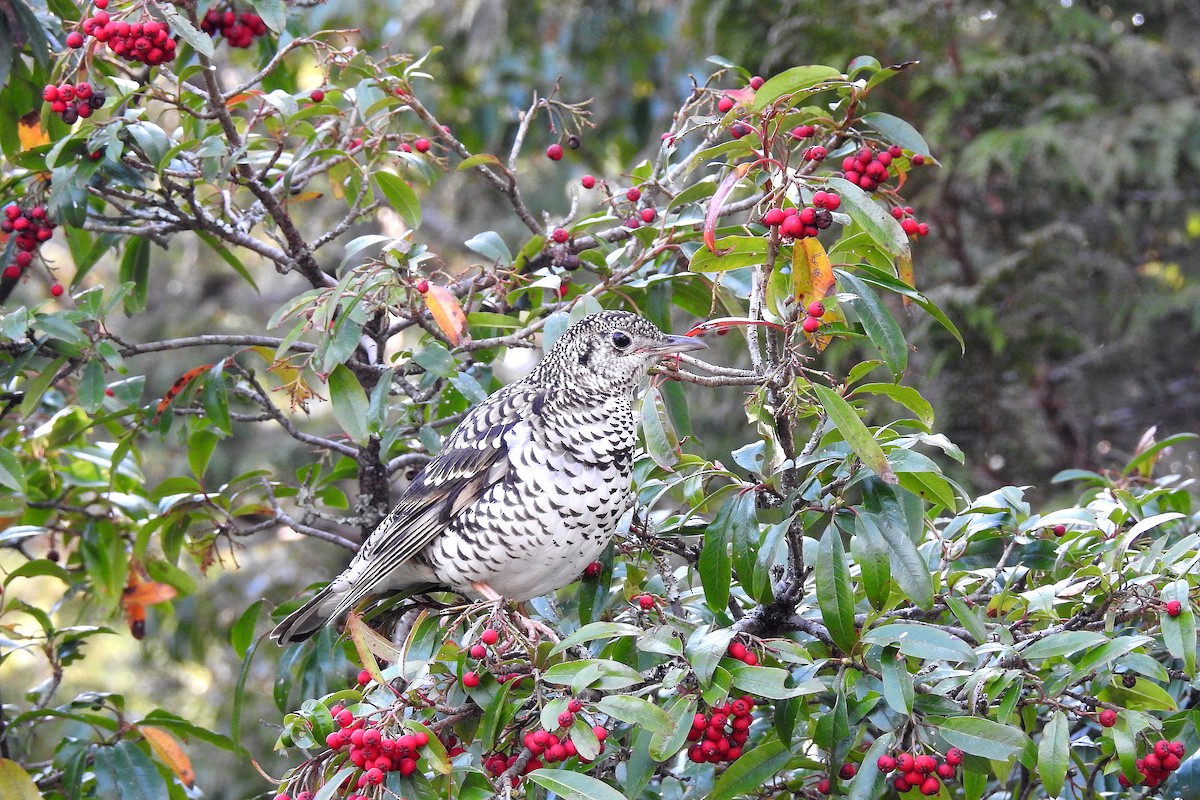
x=533, y=629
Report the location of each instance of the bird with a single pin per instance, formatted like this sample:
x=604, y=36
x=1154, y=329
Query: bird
x=525, y=492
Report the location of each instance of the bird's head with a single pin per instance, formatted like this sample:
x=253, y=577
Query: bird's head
x=611, y=351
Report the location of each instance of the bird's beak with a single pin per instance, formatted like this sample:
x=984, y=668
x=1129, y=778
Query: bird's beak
x=677, y=344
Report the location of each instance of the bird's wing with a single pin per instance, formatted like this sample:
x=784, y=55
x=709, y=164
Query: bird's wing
x=474, y=458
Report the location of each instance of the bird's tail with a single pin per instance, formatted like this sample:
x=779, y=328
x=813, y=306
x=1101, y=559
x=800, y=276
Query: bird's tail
x=306, y=620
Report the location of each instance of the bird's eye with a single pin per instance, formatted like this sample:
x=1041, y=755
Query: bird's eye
x=621, y=340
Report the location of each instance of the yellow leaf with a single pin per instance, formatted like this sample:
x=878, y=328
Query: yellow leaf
x=371, y=645
x=446, y=311
x=812, y=274
x=304, y=197
x=29, y=131
x=170, y=753
x=15, y=783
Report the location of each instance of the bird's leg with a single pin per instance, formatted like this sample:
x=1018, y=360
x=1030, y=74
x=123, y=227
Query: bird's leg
x=533, y=629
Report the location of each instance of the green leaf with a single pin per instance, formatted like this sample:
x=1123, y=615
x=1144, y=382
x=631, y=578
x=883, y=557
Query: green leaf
x=15, y=783
x=1063, y=643
x=747, y=775
x=909, y=568
x=601, y=674
x=574, y=785
x=662, y=443
x=489, y=245
x=739, y=516
x=856, y=434
x=868, y=783
x=770, y=682
x=135, y=269
x=228, y=257
x=733, y=252
x=704, y=650
x=870, y=551
x=835, y=595
x=983, y=737
x=896, y=131
x=681, y=711
x=716, y=568
x=877, y=321
x=596, y=630
x=273, y=13
x=880, y=226
x=897, y=681
x=1054, y=753
x=922, y=641
x=637, y=711
x=12, y=474
x=350, y=403
x=797, y=80
x=201, y=42
x=242, y=632
x=201, y=444
x=906, y=396
x=124, y=772
x=400, y=196
x=1179, y=633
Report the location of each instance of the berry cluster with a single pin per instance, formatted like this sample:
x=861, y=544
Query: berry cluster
x=1158, y=764
x=867, y=168
x=73, y=102
x=547, y=747
x=147, y=41
x=638, y=217
x=923, y=772
x=742, y=653
x=847, y=771
x=479, y=651
x=804, y=223
x=239, y=30
x=33, y=228
x=913, y=228
x=814, y=312
x=721, y=735
x=371, y=751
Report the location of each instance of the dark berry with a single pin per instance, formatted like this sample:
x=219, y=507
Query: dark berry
x=847, y=771
x=739, y=129
x=573, y=142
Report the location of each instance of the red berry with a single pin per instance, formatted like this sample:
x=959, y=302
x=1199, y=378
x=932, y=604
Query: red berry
x=824, y=786
x=895, y=151
x=478, y=651
x=923, y=229
x=1123, y=781
x=12, y=271
x=926, y=764
x=563, y=290
x=901, y=785
x=646, y=601
x=56, y=290
x=756, y=82
x=633, y=194
x=364, y=676
x=739, y=129
x=283, y=796
x=588, y=181
x=1174, y=608
x=649, y=215
x=560, y=235
x=792, y=226
x=422, y=145
x=904, y=762
x=816, y=153
x=318, y=95
x=592, y=569
x=737, y=650
x=554, y=152
x=75, y=39
x=489, y=636
x=1178, y=749
x=816, y=309
x=931, y=786
x=355, y=143
x=1108, y=717
x=374, y=776
x=1059, y=530
x=918, y=159
x=811, y=324
x=1171, y=762
x=422, y=286
x=574, y=706
x=803, y=131
x=565, y=719
x=773, y=217
x=886, y=764
x=470, y=680
x=909, y=225
x=847, y=771
x=750, y=659
x=946, y=770
x=954, y=756
x=725, y=104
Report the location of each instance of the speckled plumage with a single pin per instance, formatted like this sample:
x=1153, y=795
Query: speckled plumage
x=527, y=489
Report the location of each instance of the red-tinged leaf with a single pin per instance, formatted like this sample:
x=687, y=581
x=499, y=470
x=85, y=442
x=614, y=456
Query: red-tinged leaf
x=170, y=753
x=447, y=312
x=177, y=388
x=725, y=323
x=719, y=197
x=149, y=593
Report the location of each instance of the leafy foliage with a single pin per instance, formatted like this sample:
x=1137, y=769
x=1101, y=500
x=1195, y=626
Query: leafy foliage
x=832, y=597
